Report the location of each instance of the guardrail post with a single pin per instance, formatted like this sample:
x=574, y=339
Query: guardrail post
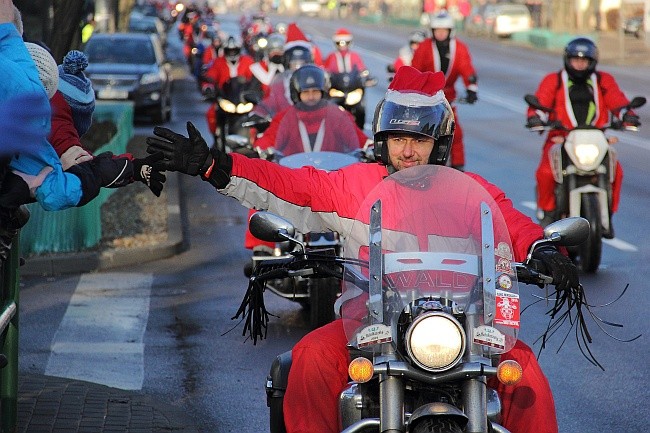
x=9, y=316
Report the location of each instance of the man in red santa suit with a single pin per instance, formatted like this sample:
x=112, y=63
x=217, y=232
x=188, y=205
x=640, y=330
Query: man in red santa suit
x=444, y=52
x=343, y=59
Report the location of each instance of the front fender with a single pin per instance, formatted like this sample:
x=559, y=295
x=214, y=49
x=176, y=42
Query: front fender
x=438, y=409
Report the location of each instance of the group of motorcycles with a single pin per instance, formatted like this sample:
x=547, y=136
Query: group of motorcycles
x=421, y=354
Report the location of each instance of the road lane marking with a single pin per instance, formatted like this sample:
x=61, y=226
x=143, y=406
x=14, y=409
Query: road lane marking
x=619, y=244
x=100, y=338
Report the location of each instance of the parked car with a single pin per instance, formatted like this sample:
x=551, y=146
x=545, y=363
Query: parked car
x=131, y=66
x=147, y=24
x=634, y=26
x=504, y=19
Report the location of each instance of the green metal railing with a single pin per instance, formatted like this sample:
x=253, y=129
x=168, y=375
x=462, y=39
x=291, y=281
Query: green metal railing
x=9, y=279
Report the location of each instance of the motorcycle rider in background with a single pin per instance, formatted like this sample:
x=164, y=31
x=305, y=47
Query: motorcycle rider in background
x=265, y=70
x=405, y=54
x=343, y=59
x=297, y=52
x=232, y=65
x=326, y=200
x=311, y=124
x=445, y=52
x=578, y=95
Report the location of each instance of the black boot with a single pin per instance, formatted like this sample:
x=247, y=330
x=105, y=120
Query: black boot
x=11, y=220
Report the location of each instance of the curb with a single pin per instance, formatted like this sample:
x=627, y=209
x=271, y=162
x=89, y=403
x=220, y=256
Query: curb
x=66, y=263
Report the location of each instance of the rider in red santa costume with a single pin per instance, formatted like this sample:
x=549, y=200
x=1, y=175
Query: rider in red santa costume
x=343, y=59
x=319, y=200
x=445, y=52
x=578, y=95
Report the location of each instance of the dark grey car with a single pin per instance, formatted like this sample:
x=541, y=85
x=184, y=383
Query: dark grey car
x=131, y=66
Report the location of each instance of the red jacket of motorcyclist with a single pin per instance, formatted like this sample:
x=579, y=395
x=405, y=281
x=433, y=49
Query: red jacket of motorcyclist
x=231, y=65
x=311, y=124
x=322, y=201
x=578, y=95
x=444, y=52
x=343, y=59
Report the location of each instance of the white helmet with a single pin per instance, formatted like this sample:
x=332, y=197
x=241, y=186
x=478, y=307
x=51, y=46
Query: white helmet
x=441, y=20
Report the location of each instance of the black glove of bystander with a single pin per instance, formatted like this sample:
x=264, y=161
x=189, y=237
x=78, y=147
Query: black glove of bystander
x=190, y=155
x=558, y=266
x=631, y=120
x=143, y=171
x=112, y=172
x=471, y=97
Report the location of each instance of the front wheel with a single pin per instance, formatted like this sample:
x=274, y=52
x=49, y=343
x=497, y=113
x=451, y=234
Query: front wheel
x=322, y=294
x=590, y=250
x=437, y=425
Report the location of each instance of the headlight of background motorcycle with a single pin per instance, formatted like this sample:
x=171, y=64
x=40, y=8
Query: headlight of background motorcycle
x=587, y=155
x=244, y=108
x=336, y=93
x=354, y=97
x=435, y=341
x=227, y=106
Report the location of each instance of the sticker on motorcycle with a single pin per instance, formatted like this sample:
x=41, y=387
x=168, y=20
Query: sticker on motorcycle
x=503, y=266
x=374, y=334
x=503, y=250
x=507, y=313
x=489, y=336
x=504, y=281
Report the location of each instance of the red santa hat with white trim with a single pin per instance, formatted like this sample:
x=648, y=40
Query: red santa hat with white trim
x=295, y=37
x=342, y=35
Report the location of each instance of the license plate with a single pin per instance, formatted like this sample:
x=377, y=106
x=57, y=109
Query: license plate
x=112, y=94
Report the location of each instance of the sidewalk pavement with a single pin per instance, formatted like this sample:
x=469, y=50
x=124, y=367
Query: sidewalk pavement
x=48, y=404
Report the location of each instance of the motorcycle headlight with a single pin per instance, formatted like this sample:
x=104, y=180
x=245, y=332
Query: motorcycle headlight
x=244, y=108
x=336, y=93
x=227, y=106
x=587, y=154
x=354, y=97
x=435, y=341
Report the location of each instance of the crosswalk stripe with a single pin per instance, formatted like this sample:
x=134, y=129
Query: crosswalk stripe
x=100, y=338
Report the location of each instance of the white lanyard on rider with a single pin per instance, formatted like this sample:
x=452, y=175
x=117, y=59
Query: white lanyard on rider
x=306, y=144
x=567, y=99
x=343, y=61
x=436, y=56
x=232, y=69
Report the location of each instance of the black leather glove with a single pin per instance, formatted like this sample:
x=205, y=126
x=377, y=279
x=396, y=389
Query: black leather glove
x=471, y=97
x=143, y=171
x=14, y=191
x=534, y=122
x=557, y=265
x=187, y=155
x=190, y=155
x=631, y=120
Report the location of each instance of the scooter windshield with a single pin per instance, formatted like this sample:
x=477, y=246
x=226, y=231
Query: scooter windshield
x=430, y=233
x=323, y=160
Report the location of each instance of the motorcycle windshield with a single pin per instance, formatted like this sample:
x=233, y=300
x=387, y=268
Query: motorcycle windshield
x=323, y=160
x=429, y=233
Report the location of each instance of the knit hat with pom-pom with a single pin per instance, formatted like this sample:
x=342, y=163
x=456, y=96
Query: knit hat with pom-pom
x=77, y=89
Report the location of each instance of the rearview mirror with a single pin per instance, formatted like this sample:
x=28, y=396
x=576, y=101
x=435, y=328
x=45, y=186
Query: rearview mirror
x=270, y=227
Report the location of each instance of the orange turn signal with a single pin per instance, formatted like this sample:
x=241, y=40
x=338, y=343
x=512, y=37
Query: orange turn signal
x=360, y=370
x=509, y=372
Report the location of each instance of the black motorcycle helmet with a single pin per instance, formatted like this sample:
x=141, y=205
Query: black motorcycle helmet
x=415, y=114
x=296, y=56
x=307, y=77
x=275, y=48
x=584, y=48
x=232, y=49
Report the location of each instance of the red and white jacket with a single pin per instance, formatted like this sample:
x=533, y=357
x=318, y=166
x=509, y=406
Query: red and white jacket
x=553, y=92
x=222, y=70
x=327, y=128
x=316, y=200
x=427, y=58
x=343, y=61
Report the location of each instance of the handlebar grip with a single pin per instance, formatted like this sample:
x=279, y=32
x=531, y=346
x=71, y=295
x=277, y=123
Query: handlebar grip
x=529, y=275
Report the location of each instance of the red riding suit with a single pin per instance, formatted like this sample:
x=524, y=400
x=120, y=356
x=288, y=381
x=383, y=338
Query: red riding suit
x=325, y=127
x=552, y=93
x=219, y=73
x=343, y=61
x=319, y=200
x=427, y=58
